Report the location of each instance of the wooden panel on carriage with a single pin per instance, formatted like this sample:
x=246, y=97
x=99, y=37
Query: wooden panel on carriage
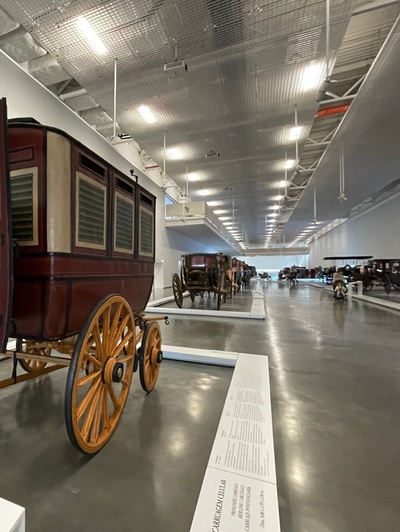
x=97, y=238
x=5, y=231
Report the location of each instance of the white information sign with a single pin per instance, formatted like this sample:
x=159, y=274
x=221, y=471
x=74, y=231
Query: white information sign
x=239, y=488
x=233, y=503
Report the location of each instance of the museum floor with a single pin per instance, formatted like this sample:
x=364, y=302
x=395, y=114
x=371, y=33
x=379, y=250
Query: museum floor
x=335, y=380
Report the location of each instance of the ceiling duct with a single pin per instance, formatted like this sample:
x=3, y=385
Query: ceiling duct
x=7, y=23
x=20, y=46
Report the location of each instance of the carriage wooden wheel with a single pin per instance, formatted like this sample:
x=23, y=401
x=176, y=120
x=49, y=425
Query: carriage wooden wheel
x=177, y=290
x=30, y=347
x=100, y=374
x=150, y=357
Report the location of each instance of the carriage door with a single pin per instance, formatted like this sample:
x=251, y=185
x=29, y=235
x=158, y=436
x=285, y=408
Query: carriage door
x=5, y=230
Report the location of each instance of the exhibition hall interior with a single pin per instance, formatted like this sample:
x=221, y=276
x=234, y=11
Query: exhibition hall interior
x=200, y=265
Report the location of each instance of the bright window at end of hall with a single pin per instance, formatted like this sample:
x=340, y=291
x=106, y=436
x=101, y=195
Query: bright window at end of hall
x=123, y=224
x=90, y=213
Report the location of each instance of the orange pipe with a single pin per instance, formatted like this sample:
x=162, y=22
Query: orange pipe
x=338, y=109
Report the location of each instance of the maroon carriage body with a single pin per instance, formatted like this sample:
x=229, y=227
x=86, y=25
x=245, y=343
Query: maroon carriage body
x=84, y=231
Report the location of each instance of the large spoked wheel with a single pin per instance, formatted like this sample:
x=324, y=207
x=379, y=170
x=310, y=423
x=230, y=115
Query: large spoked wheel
x=29, y=347
x=100, y=374
x=177, y=290
x=150, y=357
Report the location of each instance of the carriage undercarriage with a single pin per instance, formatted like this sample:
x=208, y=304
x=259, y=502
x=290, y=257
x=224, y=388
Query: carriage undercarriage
x=101, y=360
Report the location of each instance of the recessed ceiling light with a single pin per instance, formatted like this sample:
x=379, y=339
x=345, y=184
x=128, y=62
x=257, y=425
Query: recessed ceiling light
x=224, y=218
x=204, y=192
x=227, y=224
x=289, y=163
x=218, y=211
x=175, y=153
x=192, y=176
x=147, y=114
x=310, y=78
x=88, y=33
x=295, y=133
x=214, y=203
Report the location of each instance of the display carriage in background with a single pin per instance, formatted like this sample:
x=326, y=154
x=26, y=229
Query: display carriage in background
x=200, y=274
x=385, y=272
x=76, y=275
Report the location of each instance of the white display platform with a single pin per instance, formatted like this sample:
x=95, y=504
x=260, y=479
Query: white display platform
x=12, y=517
x=367, y=299
x=200, y=356
x=239, y=490
x=257, y=311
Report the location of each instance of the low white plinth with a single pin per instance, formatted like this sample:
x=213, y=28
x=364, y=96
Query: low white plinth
x=239, y=490
x=12, y=517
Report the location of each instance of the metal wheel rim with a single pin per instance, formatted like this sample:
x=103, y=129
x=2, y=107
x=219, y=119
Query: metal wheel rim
x=94, y=403
x=149, y=366
x=177, y=290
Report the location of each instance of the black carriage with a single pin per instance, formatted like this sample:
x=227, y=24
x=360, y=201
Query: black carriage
x=202, y=273
x=386, y=272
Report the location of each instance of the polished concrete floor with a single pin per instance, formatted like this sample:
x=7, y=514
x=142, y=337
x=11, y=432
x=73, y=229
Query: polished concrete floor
x=147, y=478
x=335, y=381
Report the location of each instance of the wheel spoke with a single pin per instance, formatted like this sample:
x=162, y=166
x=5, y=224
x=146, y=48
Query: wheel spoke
x=113, y=397
x=122, y=344
x=87, y=378
x=106, y=330
x=114, y=326
x=87, y=424
x=104, y=411
x=88, y=398
x=94, y=433
x=93, y=360
x=99, y=345
x=120, y=330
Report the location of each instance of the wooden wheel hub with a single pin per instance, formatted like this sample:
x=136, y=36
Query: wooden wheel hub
x=154, y=356
x=112, y=371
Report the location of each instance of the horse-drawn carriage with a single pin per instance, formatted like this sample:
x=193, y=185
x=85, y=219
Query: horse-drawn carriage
x=77, y=263
x=351, y=273
x=386, y=272
x=202, y=273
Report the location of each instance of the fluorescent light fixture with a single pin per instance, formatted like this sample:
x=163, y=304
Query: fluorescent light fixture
x=224, y=218
x=218, y=211
x=175, y=153
x=279, y=197
x=215, y=203
x=147, y=114
x=311, y=77
x=283, y=184
x=194, y=177
x=230, y=224
x=204, y=192
x=90, y=35
x=275, y=207
x=295, y=133
x=289, y=163
x=274, y=214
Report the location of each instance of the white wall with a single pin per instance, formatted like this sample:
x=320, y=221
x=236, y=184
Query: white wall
x=375, y=232
x=274, y=262
x=26, y=97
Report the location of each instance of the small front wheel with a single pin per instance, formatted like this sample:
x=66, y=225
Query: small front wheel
x=150, y=357
x=177, y=290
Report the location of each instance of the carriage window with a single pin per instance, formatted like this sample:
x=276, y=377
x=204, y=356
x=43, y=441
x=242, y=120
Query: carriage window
x=123, y=226
x=92, y=165
x=24, y=212
x=146, y=232
x=91, y=213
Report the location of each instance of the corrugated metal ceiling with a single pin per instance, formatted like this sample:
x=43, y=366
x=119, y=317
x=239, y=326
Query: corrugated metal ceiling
x=247, y=65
